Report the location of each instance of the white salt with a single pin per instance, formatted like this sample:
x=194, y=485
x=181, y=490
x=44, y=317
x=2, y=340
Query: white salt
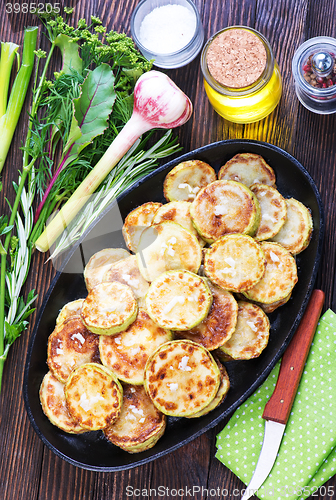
x=167, y=29
x=172, y=304
x=183, y=364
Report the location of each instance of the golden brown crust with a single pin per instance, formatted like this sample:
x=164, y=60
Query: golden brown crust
x=280, y=275
x=109, y=308
x=53, y=404
x=93, y=396
x=220, y=323
x=167, y=246
x=179, y=212
x=235, y=262
x=273, y=211
x=140, y=423
x=178, y=300
x=181, y=378
x=185, y=180
x=225, y=207
x=223, y=389
x=269, y=308
x=126, y=353
x=248, y=168
x=297, y=230
x=251, y=335
x=99, y=263
x=127, y=272
x=136, y=221
x=70, y=345
x=70, y=309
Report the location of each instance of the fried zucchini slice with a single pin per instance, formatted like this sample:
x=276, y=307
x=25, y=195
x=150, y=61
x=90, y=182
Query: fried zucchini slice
x=99, y=263
x=225, y=207
x=178, y=300
x=269, y=308
x=251, y=334
x=70, y=310
x=224, y=387
x=179, y=212
x=109, y=308
x=70, y=345
x=273, y=211
x=126, y=353
x=93, y=396
x=127, y=272
x=235, y=262
x=280, y=275
x=184, y=181
x=140, y=424
x=167, y=246
x=136, y=221
x=181, y=378
x=53, y=404
x=248, y=168
x=220, y=323
x=296, y=233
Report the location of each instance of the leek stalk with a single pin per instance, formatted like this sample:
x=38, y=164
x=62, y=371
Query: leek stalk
x=8, y=51
x=10, y=112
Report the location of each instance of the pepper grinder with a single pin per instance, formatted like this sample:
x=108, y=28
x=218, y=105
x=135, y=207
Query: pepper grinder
x=314, y=71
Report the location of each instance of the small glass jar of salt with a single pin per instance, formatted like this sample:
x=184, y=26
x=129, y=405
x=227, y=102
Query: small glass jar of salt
x=168, y=31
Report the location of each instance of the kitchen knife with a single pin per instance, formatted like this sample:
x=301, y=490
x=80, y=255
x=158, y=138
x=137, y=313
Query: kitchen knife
x=278, y=408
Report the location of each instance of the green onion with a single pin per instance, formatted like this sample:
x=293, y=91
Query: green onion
x=8, y=51
x=10, y=112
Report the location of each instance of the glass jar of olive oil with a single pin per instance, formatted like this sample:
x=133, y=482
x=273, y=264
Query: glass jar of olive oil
x=241, y=77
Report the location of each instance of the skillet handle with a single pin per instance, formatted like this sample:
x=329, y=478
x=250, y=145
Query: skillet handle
x=280, y=404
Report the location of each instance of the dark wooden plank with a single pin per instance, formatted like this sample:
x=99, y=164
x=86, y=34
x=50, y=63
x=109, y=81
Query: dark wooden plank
x=185, y=467
x=315, y=148
x=19, y=445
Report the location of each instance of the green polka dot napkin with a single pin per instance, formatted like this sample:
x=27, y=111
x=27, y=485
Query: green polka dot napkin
x=307, y=454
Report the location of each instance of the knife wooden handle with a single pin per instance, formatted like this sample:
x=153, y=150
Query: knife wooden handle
x=280, y=404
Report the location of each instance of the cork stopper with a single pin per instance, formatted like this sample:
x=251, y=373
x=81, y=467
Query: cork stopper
x=236, y=58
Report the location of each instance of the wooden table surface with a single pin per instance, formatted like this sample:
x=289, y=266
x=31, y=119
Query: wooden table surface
x=28, y=469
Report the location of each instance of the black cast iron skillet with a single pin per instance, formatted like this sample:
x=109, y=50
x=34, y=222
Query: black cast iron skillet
x=91, y=450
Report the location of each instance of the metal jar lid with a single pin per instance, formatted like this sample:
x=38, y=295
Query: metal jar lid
x=314, y=71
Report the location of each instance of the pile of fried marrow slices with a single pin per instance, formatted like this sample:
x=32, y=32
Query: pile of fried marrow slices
x=192, y=291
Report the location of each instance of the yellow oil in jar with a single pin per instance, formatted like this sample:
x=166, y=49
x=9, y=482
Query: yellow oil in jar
x=251, y=107
x=244, y=87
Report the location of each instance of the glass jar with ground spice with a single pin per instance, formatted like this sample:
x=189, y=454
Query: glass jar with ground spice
x=314, y=71
x=241, y=77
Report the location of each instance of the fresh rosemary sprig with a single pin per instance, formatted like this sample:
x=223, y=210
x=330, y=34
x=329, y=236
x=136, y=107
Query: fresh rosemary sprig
x=137, y=163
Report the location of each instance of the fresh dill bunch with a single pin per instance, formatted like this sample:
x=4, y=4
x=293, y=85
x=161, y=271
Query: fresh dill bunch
x=53, y=123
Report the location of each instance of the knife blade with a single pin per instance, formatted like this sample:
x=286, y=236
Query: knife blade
x=278, y=408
